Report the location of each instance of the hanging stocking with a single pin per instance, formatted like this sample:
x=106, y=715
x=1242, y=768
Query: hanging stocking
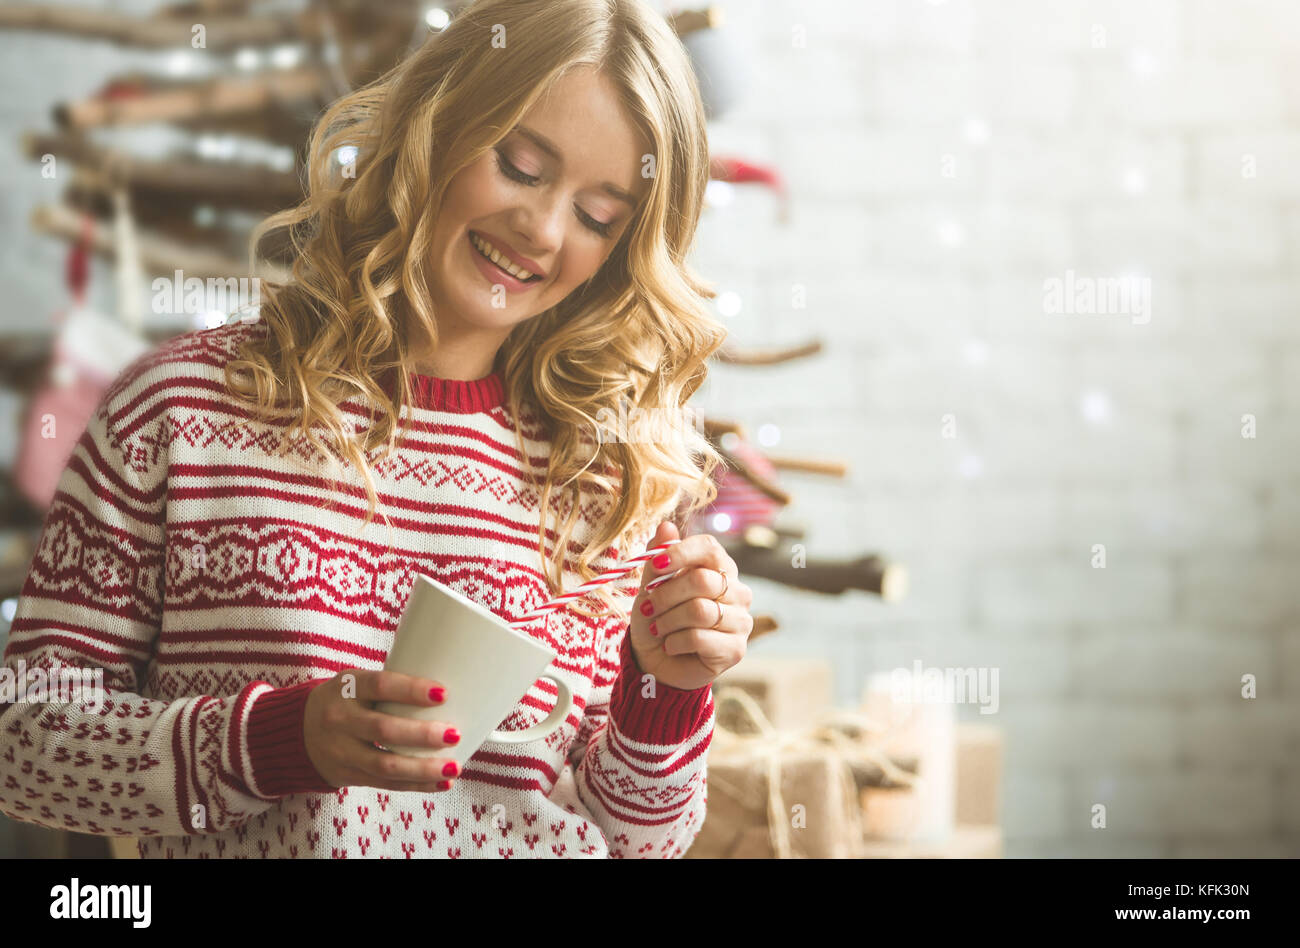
x=90, y=350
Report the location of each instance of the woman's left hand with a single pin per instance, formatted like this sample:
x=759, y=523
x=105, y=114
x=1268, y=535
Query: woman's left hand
x=689, y=630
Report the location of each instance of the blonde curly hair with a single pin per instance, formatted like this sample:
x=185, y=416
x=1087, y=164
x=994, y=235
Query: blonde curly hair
x=637, y=333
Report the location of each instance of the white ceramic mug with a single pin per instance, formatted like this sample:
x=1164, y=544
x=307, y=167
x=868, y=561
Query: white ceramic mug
x=484, y=664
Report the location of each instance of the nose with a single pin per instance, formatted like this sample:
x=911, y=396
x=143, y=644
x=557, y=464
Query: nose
x=539, y=226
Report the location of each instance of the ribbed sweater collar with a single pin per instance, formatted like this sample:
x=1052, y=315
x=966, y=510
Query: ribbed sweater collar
x=463, y=396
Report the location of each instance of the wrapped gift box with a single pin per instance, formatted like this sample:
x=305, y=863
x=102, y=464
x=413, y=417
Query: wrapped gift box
x=968, y=841
x=979, y=773
x=914, y=724
x=739, y=823
x=865, y=755
x=792, y=692
x=893, y=812
x=124, y=847
x=775, y=792
x=889, y=813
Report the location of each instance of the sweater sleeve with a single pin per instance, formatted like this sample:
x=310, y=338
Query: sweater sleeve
x=642, y=755
x=93, y=755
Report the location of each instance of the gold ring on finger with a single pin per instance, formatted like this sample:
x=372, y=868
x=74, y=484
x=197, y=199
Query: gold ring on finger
x=719, y=622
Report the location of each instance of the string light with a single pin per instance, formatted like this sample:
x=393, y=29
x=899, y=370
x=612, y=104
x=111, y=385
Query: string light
x=179, y=63
x=1095, y=407
x=64, y=374
x=769, y=435
x=286, y=56
x=977, y=351
x=281, y=158
x=729, y=303
x=977, y=131
x=215, y=147
x=719, y=193
x=248, y=59
x=1143, y=62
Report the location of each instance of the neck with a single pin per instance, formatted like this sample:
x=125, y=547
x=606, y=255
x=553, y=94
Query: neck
x=458, y=358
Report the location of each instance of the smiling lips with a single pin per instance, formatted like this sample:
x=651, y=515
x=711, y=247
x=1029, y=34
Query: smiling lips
x=505, y=258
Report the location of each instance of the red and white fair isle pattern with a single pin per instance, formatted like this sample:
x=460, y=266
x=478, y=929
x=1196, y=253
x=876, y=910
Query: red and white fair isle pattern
x=216, y=577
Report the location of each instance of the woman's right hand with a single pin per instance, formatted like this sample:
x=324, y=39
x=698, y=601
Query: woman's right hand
x=340, y=733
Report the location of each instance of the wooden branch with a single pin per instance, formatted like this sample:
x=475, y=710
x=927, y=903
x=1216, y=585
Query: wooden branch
x=222, y=32
x=276, y=123
x=24, y=367
x=688, y=21
x=135, y=103
x=833, y=576
x=200, y=8
x=761, y=483
x=92, y=194
x=25, y=361
x=715, y=428
x=825, y=466
x=763, y=625
x=156, y=255
x=770, y=536
x=214, y=181
x=371, y=37
x=771, y=356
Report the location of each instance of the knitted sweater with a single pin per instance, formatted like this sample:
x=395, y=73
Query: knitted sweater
x=193, y=562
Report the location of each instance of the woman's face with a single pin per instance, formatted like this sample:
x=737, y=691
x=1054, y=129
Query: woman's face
x=546, y=198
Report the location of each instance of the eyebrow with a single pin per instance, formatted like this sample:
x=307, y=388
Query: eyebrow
x=548, y=146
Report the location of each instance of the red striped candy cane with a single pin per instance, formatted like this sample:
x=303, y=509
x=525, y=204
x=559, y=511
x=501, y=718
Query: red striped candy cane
x=627, y=566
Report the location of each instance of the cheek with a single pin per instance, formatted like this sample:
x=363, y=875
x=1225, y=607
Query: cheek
x=580, y=266
x=476, y=192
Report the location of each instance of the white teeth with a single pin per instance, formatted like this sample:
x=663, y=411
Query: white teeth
x=495, y=256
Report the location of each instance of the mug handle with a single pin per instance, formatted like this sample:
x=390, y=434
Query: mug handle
x=563, y=702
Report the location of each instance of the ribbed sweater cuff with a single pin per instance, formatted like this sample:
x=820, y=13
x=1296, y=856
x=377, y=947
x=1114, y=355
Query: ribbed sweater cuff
x=670, y=717
x=276, y=749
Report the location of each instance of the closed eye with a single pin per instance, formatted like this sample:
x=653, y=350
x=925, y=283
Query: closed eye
x=514, y=174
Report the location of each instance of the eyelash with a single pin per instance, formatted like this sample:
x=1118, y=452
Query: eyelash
x=514, y=174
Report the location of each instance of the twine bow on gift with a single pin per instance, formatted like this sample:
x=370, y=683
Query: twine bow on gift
x=771, y=744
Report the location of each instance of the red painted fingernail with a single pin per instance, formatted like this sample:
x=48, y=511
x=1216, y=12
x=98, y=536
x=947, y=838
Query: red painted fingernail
x=450, y=770
x=660, y=561
x=653, y=630
x=436, y=694
x=451, y=736
x=647, y=609
x=444, y=785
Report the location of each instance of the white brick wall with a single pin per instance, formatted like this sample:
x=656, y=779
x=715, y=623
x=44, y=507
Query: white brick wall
x=1175, y=804
x=1182, y=664
x=1099, y=737
x=1156, y=138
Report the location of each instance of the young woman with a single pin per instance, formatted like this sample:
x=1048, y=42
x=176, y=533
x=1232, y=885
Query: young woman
x=490, y=266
